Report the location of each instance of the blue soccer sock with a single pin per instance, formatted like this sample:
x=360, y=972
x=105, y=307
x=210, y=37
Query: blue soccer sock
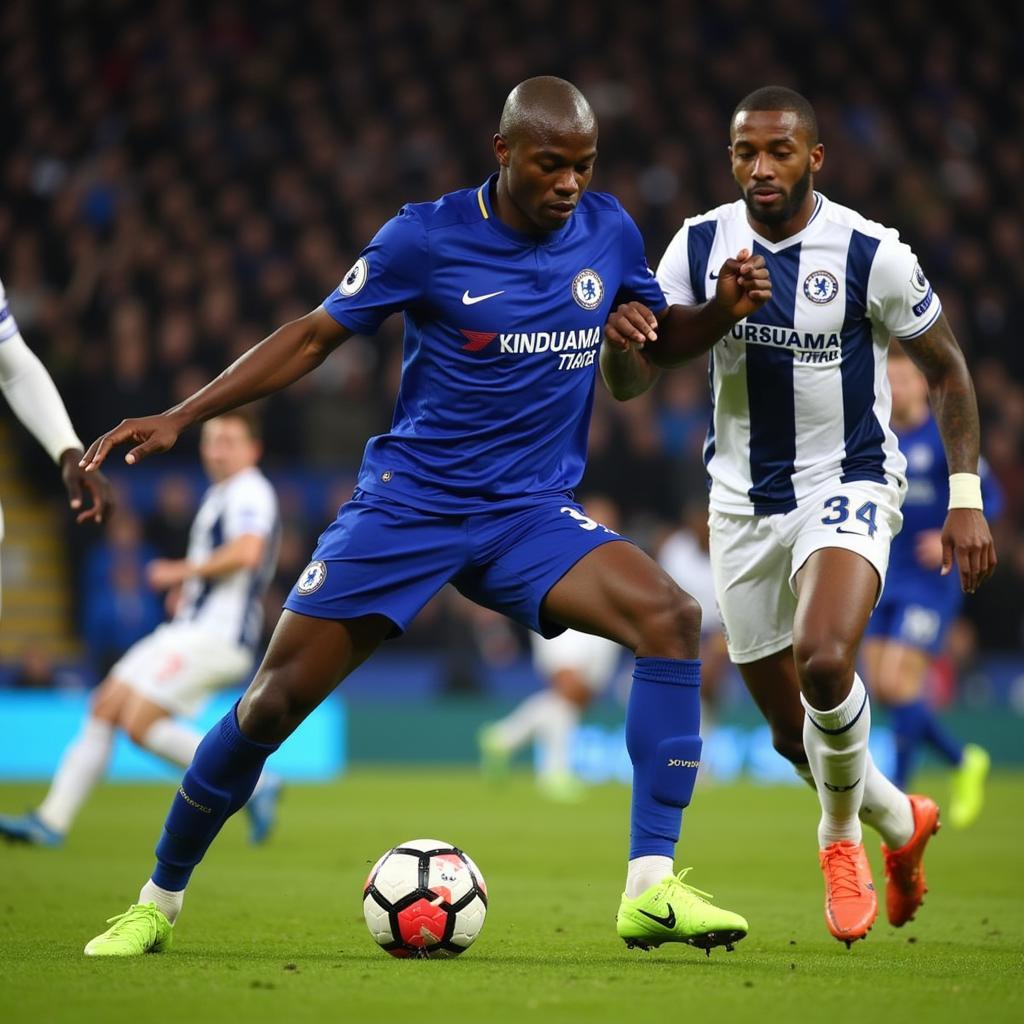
x=219, y=781
x=945, y=743
x=663, y=739
x=909, y=724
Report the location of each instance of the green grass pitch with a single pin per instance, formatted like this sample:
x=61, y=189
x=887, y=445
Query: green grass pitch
x=276, y=934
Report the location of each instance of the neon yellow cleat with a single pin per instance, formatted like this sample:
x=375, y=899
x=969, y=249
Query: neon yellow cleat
x=673, y=911
x=967, y=793
x=494, y=758
x=140, y=929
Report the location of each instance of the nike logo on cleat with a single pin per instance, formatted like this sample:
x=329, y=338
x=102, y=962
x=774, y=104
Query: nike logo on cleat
x=472, y=300
x=666, y=922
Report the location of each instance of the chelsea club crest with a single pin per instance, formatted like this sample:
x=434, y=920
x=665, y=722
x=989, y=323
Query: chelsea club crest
x=588, y=289
x=820, y=287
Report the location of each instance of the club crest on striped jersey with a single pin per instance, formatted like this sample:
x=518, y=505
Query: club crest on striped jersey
x=820, y=287
x=312, y=578
x=354, y=280
x=588, y=289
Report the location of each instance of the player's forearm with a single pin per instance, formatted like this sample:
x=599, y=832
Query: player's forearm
x=34, y=398
x=627, y=373
x=956, y=412
x=686, y=332
x=291, y=352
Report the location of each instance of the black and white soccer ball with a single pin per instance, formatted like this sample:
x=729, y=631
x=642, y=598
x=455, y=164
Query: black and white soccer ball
x=425, y=898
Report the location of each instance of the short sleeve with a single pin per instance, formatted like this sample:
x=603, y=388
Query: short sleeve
x=674, y=270
x=900, y=297
x=251, y=508
x=389, y=276
x=638, y=280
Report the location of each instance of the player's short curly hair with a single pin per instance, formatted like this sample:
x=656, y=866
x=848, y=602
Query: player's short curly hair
x=778, y=97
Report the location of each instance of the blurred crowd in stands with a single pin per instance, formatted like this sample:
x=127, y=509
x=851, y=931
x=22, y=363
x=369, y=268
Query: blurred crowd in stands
x=179, y=178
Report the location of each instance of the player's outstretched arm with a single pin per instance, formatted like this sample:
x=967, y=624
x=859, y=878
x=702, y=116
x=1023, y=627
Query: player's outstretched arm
x=965, y=533
x=289, y=353
x=33, y=396
x=641, y=343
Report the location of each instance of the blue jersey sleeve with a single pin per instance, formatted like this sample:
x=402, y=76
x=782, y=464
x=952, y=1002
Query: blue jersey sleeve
x=638, y=280
x=389, y=276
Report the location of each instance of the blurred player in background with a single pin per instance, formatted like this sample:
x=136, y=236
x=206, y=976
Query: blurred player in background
x=33, y=397
x=909, y=626
x=685, y=556
x=209, y=644
x=807, y=477
x=577, y=667
x=505, y=288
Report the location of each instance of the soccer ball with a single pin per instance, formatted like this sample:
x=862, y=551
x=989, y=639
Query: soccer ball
x=425, y=898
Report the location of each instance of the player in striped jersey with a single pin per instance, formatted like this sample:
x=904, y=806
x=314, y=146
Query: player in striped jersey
x=806, y=475
x=209, y=644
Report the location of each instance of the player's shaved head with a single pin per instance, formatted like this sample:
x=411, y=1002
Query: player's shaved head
x=778, y=97
x=543, y=107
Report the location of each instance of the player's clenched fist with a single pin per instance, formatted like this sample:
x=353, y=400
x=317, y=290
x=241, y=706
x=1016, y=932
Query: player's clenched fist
x=151, y=434
x=631, y=324
x=744, y=285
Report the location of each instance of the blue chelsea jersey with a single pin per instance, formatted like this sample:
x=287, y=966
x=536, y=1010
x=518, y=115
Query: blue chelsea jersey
x=502, y=333
x=927, y=499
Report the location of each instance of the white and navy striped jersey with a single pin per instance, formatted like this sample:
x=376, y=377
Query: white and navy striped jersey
x=231, y=605
x=799, y=388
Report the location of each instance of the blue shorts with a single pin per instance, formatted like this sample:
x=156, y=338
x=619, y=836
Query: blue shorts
x=917, y=610
x=380, y=557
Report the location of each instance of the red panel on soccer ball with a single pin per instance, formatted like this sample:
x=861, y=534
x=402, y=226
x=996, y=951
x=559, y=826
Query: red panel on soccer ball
x=422, y=924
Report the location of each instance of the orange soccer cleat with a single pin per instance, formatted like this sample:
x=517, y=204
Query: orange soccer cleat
x=904, y=873
x=851, y=903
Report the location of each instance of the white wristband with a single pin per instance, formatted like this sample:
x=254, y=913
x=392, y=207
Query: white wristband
x=965, y=491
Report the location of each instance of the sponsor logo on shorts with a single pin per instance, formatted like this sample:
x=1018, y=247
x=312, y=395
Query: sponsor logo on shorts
x=312, y=578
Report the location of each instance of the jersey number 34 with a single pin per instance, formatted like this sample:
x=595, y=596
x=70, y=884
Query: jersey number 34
x=839, y=511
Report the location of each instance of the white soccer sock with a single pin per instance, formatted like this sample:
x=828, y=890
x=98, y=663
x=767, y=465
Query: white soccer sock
x=554, y=734
x=524, y=721
x=176, y=742
x=172, y=740
x=83, y=765
x=886, y=808
x=643, y=872
x=836, y=743
x=167, y=902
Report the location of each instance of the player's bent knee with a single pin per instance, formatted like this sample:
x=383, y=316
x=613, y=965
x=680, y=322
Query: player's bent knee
x=825, y=668
x=669, y=624
x=676, y=761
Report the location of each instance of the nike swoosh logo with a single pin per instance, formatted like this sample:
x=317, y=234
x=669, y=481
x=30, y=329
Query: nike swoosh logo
x=713, y=275
x=667, y=922
x=472, y=300
x=853, y=533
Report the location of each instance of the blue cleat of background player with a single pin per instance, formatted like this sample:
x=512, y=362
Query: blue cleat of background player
x=27, y=828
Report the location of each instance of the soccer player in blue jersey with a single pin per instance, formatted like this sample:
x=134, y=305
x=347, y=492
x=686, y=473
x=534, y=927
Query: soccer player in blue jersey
x=909, y=625
x=806, y=475
x=505, y=289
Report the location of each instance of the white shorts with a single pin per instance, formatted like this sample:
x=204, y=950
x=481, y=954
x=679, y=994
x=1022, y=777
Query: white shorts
x=593, y=657
x=179, y=666
x=755, y=559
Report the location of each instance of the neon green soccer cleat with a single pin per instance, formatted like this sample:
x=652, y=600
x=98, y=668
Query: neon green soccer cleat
x=967, y=791
x=495, y=760
x=673, y=911
x=140, y=929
